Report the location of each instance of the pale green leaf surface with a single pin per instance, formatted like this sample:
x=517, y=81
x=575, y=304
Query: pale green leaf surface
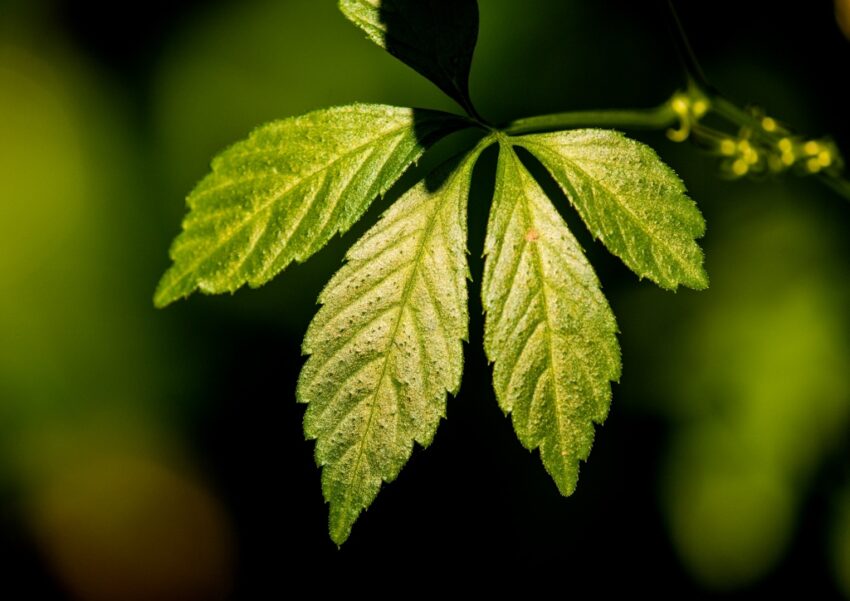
x=548, y=330
x=386, y=345
x=282, y=193
x=629, y=199
x=435, y=37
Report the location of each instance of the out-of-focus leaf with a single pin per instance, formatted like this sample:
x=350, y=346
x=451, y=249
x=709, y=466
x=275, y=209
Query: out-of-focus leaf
x=758, y=389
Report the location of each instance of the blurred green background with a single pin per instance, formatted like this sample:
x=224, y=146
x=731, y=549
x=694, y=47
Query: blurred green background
x=158, y=454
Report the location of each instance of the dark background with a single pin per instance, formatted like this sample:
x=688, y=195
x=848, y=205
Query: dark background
x=159, y=454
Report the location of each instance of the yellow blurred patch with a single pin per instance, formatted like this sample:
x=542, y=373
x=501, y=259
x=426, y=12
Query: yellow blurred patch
x=129, y=528
x=760, y=395
x=842, y=15
x=731, y=516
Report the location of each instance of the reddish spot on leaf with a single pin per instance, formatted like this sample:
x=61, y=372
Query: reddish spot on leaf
x=532, y=235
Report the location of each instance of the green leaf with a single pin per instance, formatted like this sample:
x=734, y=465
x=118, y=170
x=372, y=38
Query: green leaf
x=435, y=37
x=630, y=200
x=280, y=195
x=386, y=345
x=549, y=330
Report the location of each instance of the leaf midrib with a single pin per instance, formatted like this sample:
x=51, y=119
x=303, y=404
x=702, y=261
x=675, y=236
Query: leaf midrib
x=683, y=263
x=224, y=240
x=553, y=371
x=408, y=289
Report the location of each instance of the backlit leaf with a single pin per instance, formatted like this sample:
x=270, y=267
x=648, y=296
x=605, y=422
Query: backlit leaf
x=280, y=195
x=386, y=346
x=629, y=199
x=549, y=330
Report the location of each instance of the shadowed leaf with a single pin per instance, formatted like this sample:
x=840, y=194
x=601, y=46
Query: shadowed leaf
x=435, y=37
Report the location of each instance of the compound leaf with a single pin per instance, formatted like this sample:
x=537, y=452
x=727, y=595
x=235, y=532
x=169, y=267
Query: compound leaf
x=386, y=346
x=629, y=199
x=281, y=194
x=548, y=330
x=435, y=37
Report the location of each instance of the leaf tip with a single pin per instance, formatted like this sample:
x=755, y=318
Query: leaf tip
x=339, y=537
x=339, y=527
x=702, y=281
x=172, y=287
x=162, y=296
x=567, y=481
x=697, y=280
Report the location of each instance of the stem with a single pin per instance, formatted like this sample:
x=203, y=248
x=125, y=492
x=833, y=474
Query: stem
x=684, y=109
x=688, y=58
x=669, y=116
x=737, y=116
x=660, y=117
x=465, y=102
x=473, y=114
x=839, y=185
